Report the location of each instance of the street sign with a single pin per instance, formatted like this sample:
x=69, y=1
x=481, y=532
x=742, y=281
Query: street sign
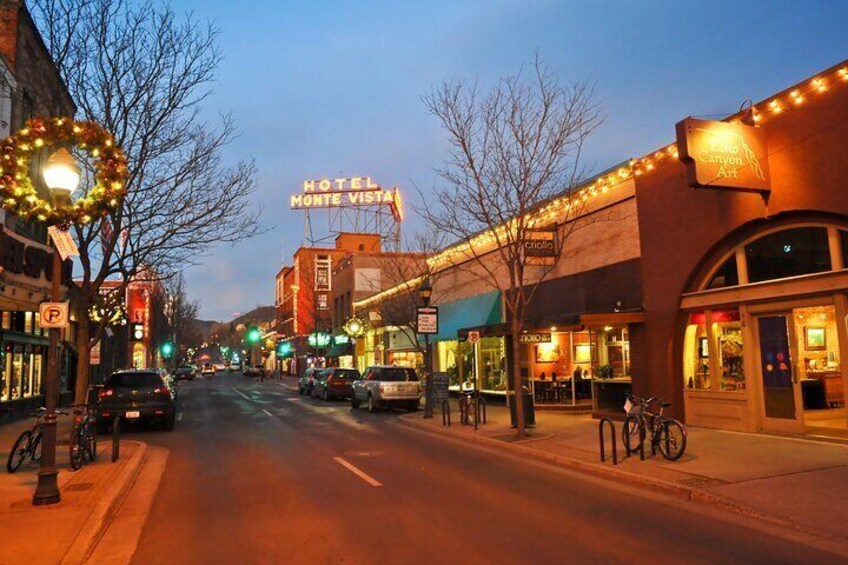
x=428, y=320
x=64, y=242
x=54, y=314
x=473, y=337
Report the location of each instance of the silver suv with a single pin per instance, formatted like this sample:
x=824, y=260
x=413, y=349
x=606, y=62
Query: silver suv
x=382, y=385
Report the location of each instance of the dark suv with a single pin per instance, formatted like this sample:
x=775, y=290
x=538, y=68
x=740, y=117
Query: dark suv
x=334, y=382
x=136, y=395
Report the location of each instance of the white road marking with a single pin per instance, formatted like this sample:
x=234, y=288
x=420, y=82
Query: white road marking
x=268, y=413
x=179, y=416
x=359, y=473
x=240, y=393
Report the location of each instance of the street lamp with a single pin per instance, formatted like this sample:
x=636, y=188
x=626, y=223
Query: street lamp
x=61, y=175
x=425, y=291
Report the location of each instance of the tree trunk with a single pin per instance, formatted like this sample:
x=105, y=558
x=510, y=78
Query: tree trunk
x=83, y=365
x=517, y=384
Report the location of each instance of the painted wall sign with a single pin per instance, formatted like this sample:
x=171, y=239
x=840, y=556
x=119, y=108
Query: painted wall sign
x=723, y=155
x=543, y=337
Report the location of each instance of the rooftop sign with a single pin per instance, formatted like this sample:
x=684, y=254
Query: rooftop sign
x=346, y=192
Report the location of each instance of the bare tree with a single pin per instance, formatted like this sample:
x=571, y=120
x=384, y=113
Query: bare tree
x=515, y=155
x=180, y=313
x=143, y=73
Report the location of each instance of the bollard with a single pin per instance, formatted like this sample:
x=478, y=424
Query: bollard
x=116, y=438
x=483, y=400
x=446, y=416
x=612, y=437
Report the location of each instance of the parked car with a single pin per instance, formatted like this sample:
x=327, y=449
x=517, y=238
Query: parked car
x=387, y=386
x=208, y=369
x=136, y=395
x=220, y=367
x=334, y=382
x=306, y=380
x=185, y=372
x=235, y=366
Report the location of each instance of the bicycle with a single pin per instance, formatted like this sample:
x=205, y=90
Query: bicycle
x=28, y=443
x=666, y=434
x=83, y=437
x=470, y=404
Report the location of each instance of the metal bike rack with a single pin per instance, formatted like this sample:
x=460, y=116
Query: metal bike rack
x=446, y=415
x=612, y=437
x=628, y=452
x=116, y=438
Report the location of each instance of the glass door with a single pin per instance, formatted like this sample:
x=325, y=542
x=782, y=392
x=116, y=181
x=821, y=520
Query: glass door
x=782, y=403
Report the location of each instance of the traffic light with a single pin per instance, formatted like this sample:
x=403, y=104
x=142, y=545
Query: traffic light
x=137, y=332
x=254, y=335
x=167, y=349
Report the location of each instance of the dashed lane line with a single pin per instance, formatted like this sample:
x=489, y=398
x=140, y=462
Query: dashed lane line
x=358, y=472
x=240, y=393
x=268, y=413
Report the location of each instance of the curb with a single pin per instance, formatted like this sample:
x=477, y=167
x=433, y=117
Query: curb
x=106, y=507
x=596, y=470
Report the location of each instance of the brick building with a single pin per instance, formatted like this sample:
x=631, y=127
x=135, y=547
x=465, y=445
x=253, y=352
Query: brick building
x=29, y=85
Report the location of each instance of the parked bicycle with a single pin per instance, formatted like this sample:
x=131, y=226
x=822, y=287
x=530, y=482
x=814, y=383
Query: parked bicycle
x=666, y=434
x=28, y=443
x=84, y=436
x=470, y=405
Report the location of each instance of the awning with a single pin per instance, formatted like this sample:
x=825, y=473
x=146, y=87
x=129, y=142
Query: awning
x=340, y=349
x=564, y=322
x=480, y=310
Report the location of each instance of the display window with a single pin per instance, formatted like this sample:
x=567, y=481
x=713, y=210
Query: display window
x=713, y=351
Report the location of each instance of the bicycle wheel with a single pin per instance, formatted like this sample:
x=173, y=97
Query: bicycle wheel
x=91, y=441
x=75, y=450
x=672, y=439
x=19, y=452
x=633, y=432
x=35, y=446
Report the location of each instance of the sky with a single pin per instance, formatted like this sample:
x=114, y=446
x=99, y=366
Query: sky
x=333, y=89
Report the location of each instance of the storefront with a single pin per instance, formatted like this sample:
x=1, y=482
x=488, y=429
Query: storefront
x=23, y=353
x=402, y=349
x=340, y=353
x=745, y=288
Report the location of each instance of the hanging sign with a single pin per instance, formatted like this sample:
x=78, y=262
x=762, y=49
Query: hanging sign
x=94, y=354
x=64, y=242
x=724, y=155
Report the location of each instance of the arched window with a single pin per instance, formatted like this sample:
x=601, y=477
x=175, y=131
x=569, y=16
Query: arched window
x=727, y=275
x=788, y=253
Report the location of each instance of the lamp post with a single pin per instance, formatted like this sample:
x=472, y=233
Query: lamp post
x=61, y=175
x=425, y=291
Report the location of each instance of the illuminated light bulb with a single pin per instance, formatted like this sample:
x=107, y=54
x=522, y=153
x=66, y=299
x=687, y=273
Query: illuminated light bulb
x=77, y=129
x=39, y=142
x=775, y=106
x=843, y=73
x=24, y=131
x=757, y=118
x=820, y=84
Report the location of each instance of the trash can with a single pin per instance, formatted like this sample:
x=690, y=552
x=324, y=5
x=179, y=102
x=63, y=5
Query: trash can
x=529, y=409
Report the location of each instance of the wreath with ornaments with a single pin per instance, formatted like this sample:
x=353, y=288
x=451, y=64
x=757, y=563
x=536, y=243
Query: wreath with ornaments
x=18, y=194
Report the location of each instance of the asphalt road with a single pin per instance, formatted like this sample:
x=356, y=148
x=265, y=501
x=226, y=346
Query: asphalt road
x=258, y=474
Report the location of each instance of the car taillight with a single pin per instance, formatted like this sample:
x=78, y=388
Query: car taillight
x=105, y=392
x=160, y=390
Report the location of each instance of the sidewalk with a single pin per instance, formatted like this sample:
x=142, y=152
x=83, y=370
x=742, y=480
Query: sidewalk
x=789, y=481
x=65, y=532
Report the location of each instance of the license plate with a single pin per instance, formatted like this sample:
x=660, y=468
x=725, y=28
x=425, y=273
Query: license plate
x=133, y=414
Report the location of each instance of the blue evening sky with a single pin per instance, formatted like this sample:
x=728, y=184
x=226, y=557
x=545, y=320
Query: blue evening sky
x=326, y=89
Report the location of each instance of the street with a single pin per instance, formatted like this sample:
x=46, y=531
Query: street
x=258, y=474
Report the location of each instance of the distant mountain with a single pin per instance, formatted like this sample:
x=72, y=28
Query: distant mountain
x=258, y=315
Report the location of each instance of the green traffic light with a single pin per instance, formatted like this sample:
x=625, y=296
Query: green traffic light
x=254, y=335
x=167, y=349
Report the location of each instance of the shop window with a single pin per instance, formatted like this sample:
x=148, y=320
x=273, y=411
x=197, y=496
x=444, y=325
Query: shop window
x=29, y=323
x=788, y=253
x=493, y=364
x=843, y=236
x=727, y=275
x=7, y=321
x=613, y=353
x=17, y=372
x=696, y=353
x=729, y=336
x=6, y=388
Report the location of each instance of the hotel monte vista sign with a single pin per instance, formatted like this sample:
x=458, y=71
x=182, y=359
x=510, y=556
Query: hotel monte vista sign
x=723, y=155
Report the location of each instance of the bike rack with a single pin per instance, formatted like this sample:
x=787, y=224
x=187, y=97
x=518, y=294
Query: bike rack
x=116, y=438
x=446, y=416
x=612, y=437
x=628, y=452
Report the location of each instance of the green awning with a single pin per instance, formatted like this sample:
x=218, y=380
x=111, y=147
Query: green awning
x=480, y=310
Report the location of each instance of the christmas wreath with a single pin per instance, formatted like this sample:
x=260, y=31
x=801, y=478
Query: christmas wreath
x=19, y=196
